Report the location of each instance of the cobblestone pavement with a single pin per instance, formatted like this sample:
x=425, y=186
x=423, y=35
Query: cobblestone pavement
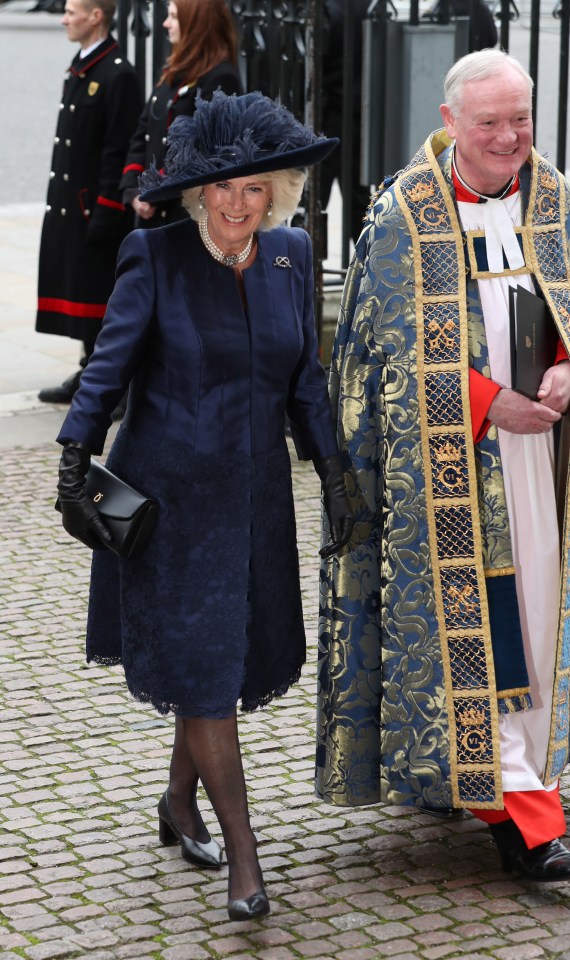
x=82, y=766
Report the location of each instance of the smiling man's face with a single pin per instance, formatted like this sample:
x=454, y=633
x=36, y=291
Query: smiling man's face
x=492, y=129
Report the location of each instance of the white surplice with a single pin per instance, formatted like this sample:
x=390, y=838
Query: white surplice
x=528, y=471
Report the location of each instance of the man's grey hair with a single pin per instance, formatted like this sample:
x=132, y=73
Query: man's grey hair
x=478, y=66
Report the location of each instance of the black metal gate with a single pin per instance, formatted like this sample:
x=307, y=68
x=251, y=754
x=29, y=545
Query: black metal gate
x=284, y=44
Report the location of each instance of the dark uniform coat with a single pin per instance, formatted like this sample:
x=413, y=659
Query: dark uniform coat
x=148, y=143
x=85, y=220
x=211, y=611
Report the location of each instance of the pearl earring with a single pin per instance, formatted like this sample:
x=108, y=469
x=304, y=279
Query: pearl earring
x=270, y=208
x=202, y=201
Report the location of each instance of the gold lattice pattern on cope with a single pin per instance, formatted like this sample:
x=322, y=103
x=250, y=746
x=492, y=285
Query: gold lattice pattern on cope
x=550, y=248
x=467, y=659
x=443, y=393
x=454, y=532
x=439, y=268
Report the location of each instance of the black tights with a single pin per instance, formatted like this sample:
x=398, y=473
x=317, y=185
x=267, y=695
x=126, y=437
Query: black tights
x=209, y=751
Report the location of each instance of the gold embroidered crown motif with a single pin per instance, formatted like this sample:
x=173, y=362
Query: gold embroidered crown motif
x=548, y=181
x=421, y=191
x=472, y=716
x=447, y=453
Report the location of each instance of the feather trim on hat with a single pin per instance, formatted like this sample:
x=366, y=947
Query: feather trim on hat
x=228, y=131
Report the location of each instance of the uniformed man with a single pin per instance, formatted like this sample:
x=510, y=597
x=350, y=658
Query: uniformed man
x=85, y=220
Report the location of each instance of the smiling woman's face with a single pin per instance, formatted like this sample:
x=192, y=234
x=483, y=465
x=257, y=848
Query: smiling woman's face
x=235, y=210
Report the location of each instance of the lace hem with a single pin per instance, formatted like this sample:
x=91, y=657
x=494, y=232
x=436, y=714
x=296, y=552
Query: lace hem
x=248, y=705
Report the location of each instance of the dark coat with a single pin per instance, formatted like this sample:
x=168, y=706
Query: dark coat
x=148, y=143
x=211, y=611
x=85, y=220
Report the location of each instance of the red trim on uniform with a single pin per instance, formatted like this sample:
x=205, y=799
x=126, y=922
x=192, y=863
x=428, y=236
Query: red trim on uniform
x=464, y=195
x=561, y=353
x=83, y=68
x=537, y=813
x=105, y=202
x=95, y=311
x=134, y=166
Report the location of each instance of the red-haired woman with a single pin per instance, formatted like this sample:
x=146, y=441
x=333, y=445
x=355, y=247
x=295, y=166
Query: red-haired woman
x=203, y=57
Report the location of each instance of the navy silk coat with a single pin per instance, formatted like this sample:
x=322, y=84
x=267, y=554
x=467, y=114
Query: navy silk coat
x=211, y=612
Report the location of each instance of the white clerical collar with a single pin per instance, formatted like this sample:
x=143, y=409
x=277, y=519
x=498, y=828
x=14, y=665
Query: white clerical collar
x=88, y=50
x=500, y=237
x=483, y=197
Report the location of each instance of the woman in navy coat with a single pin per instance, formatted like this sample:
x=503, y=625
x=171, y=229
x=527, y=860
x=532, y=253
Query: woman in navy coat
x=212, y=320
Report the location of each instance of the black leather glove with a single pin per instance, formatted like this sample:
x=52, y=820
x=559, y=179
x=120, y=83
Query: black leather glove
x=79, y=514
x=337, y=504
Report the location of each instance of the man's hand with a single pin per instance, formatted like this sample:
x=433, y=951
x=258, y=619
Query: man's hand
x=144, y=210
x=554, y=391
x=517, y=414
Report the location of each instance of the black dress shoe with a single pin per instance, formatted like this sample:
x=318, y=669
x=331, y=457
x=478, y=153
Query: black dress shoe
x=203, y=854
x=63, y=393
x=442, y=813
x=546, y=863
x=251, y=907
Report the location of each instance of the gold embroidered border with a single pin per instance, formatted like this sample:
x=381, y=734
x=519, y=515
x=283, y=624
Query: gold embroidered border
x=470, y=237
x=499, y=571
x=448, y=454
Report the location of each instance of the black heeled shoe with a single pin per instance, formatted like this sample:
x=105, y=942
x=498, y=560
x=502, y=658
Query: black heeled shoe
x=547, y=863
x=203, y=854
x=251, y=907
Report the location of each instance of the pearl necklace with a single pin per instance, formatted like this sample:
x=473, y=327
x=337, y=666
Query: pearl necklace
x=228, y=260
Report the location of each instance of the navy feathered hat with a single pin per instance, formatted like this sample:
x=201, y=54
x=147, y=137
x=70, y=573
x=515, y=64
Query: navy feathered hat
x=231, y=136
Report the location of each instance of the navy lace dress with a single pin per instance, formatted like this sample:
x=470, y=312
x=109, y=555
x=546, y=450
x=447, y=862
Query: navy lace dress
x=211, y=613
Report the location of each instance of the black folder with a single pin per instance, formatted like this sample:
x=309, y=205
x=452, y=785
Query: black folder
x=533, y=340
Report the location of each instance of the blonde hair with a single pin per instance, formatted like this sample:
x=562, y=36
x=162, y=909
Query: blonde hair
x=479, y=65
x=286, y=189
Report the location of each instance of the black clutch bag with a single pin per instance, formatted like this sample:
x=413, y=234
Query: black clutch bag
x=128, y=515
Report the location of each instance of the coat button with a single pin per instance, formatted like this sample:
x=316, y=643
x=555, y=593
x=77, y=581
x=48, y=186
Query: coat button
x=48, y=208
x=87, y=212
x=66, y=176
x=63, y=211
x=68, y=143
x=56, y=139
x=164, y=139
x=147, y=137
x=154, y=99
x=61, y=106
x=118, y=60
x=72, y=108
x=52, y=174
x=163, y=213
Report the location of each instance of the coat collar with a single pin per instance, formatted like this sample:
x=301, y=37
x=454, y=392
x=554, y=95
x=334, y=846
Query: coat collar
x=80, y=67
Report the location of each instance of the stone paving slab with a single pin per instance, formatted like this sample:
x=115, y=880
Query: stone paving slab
x=82, y=765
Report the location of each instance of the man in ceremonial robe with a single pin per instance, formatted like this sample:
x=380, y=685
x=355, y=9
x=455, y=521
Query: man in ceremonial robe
x=444, y=661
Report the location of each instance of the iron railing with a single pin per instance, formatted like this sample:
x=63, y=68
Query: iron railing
x=281, y=49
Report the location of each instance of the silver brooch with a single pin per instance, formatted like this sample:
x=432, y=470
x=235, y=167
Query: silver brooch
x=283, y=262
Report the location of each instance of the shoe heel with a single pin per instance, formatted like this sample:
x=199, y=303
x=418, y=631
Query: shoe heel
x=166, y=835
